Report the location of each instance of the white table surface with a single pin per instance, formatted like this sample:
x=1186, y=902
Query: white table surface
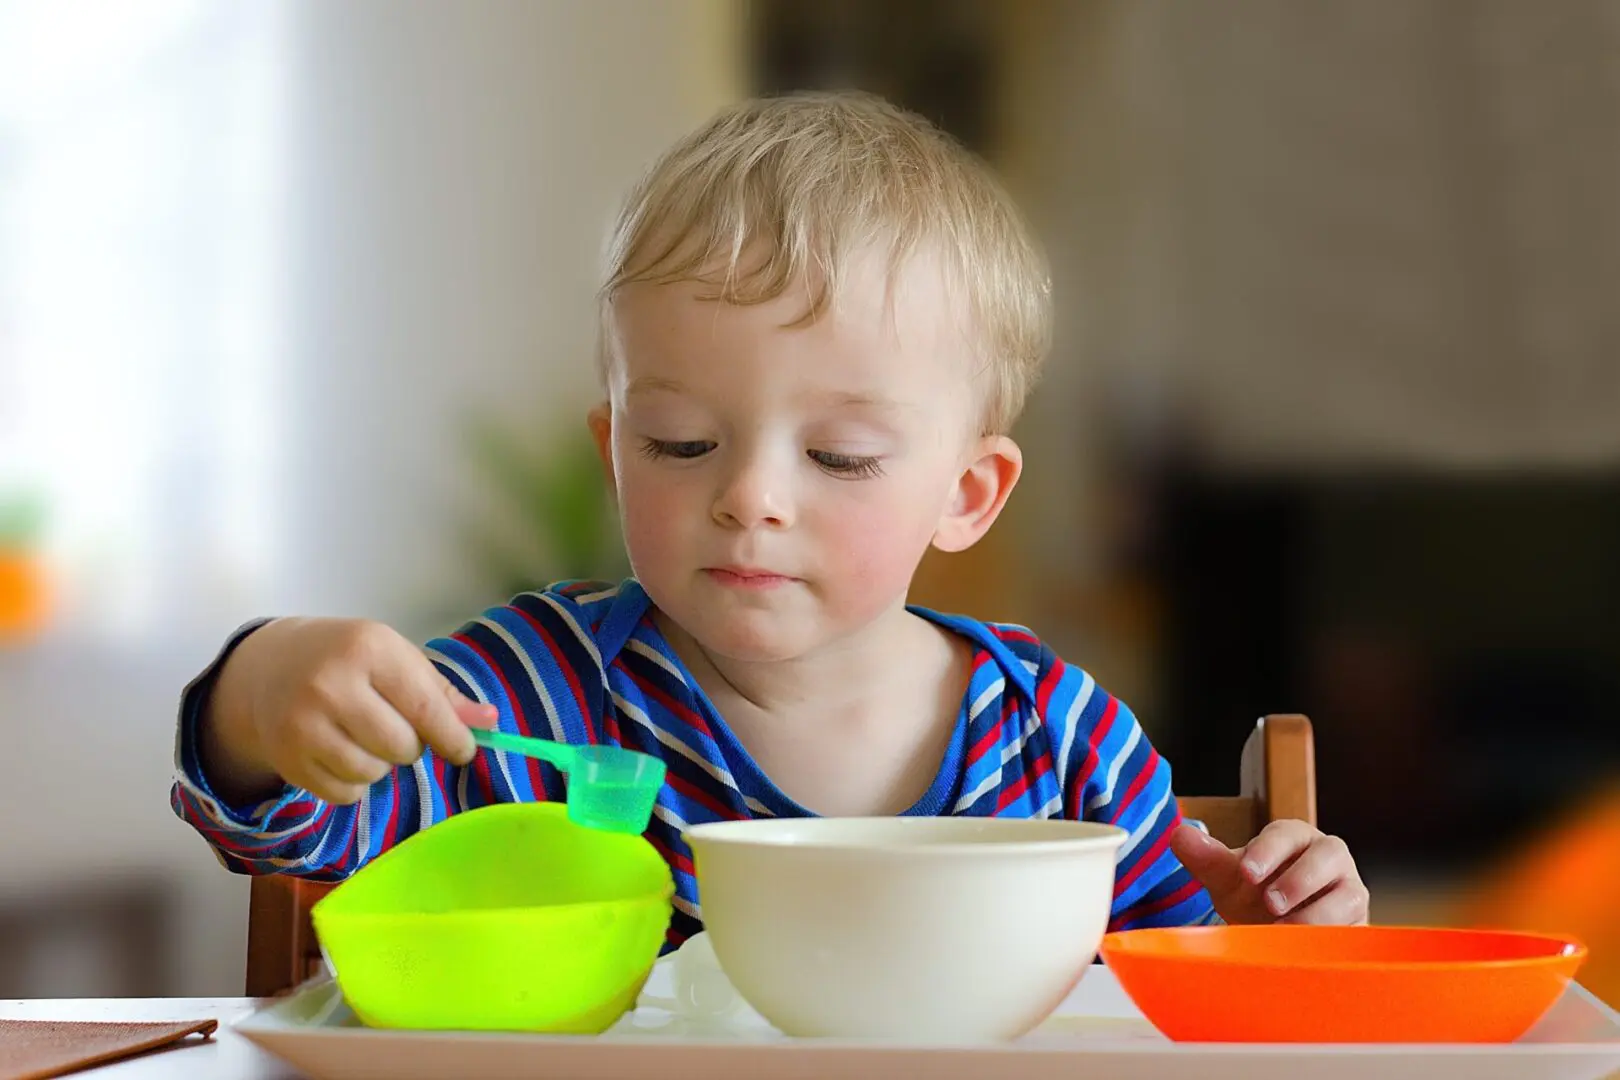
x=226, y=1056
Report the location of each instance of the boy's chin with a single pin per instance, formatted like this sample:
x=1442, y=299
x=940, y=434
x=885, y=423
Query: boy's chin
x=754, y=639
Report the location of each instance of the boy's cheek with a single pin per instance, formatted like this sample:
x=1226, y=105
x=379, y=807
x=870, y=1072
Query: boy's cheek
x=651, y=515
x=650, y=491
x=876, y=548
x=659, y=513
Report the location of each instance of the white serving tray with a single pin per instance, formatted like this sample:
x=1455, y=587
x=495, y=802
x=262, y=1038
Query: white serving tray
x=1097, y=1032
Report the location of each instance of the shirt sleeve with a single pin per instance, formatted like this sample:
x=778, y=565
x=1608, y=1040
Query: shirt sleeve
x=519, y=658
x=1111, y=773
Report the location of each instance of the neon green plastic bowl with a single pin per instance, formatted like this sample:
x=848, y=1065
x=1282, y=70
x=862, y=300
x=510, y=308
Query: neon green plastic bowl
x=505, y=918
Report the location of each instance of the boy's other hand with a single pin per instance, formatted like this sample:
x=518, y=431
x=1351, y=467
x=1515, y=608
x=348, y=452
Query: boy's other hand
x=330, y=706
x=1291, y=873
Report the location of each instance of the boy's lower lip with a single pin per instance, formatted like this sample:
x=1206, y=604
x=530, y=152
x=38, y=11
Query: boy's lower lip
x=746, y=579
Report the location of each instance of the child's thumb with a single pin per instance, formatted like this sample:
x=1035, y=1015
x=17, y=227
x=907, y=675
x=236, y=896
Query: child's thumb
x=470, y=712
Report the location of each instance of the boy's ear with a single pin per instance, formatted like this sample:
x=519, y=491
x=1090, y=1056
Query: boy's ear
x=981, y=492
x=600, y=421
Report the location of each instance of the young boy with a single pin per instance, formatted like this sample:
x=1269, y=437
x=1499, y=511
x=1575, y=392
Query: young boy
x=820, y=320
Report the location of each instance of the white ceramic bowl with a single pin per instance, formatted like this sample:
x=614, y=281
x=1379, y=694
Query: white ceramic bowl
x=953, y=929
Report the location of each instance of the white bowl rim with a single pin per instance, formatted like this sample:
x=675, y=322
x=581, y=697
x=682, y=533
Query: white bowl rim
x=889, y=835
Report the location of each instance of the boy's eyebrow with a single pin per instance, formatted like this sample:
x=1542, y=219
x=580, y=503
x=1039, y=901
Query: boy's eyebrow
x=652, y=384
x=850, y=399
x=648, y=384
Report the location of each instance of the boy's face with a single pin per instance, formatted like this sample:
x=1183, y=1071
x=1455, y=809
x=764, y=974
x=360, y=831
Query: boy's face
x=779, y=483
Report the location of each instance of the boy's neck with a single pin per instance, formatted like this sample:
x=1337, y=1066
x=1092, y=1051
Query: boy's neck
x=855, y=668
x=859, y=728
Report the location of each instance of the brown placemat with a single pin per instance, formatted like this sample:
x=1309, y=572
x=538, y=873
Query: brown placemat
x=37, y=1049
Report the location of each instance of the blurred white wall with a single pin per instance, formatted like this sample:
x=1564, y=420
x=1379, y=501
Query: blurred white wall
x=458, y=166
x=415, y=196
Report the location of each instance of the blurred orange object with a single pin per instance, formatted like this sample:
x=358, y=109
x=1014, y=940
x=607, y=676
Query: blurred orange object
x=1567, y=881
x=24, y=595
x=1341, y=984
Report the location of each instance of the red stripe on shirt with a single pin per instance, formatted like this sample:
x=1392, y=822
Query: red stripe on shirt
x=519, y=720
x=1138, y=782
x=1077, y=802
x=680, y=709
x=567, y=669
x=1148, y=908
x=1035, y=767
x=1143, y=861
x=678, y=862
x=1013, y=633
x=685, y=787
x=391, y=826
x=1043, y=691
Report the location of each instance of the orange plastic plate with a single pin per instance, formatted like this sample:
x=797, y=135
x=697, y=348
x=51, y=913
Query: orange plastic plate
x=1341, y=984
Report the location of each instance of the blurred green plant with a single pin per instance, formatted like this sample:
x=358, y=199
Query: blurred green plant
x=22, y=519
x=555, y=520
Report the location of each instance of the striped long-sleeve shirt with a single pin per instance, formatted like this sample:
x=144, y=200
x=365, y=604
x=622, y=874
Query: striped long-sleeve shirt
x=584, y=663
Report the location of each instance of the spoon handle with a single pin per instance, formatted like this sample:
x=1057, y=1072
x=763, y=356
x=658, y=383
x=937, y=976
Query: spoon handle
x=559, y=754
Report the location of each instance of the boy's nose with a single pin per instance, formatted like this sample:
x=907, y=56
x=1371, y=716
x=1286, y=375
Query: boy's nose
x=754, y=496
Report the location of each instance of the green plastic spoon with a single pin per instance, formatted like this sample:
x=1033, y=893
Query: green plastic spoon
x=609, y=788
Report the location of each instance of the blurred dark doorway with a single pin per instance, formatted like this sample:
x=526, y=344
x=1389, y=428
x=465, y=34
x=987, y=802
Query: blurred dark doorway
x=1456, y=641
x=934, y=57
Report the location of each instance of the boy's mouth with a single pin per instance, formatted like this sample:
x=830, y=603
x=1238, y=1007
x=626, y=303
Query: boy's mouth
x=746, y=577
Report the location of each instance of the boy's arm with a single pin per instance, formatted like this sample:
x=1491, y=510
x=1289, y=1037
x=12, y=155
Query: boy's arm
x=509, y=659
x=1111, y=773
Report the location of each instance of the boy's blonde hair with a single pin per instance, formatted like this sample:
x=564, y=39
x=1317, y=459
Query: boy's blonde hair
x=778, y=193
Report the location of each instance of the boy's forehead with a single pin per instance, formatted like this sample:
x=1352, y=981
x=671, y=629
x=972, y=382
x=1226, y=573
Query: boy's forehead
x=828, y=394
x=882, y=320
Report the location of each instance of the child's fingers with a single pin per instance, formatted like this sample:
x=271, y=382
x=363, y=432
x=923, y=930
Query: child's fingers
x=1274, y=847
x=1213, y=863
x=1216, y=867
x=335, y=751
x=320, y=782
x=373, y=722
x=470, y=712
x=448, y=732
x=1324, y=863
x=414, y=687
x=1344, y=904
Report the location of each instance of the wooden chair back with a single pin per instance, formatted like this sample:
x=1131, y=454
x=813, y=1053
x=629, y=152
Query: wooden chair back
x=1277, y=780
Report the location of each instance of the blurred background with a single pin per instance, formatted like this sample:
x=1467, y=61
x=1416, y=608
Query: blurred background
x=297, y=315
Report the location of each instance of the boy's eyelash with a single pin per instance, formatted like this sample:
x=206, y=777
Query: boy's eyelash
x=842, y=465
x=683, y=450
x=854, y=468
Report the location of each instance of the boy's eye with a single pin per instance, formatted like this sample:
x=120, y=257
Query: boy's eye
x=685, y=450
x=846, y=465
